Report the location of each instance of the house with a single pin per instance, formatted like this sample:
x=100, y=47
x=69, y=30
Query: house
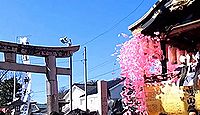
x=94, y=94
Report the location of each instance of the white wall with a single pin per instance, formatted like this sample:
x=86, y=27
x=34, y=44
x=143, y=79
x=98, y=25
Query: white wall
x=76, y=93
x=93, y=103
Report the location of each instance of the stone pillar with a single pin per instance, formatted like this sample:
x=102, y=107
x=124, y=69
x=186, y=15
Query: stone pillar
x=51, y=85
x=102, y=97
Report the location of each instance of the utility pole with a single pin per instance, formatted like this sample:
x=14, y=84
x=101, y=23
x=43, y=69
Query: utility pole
x=85, y=77
x=70, y=83
x=70, y=79
x=14, y=87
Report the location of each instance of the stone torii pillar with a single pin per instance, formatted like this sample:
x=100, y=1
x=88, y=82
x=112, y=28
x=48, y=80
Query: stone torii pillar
x=50, y=53
x=51, y=84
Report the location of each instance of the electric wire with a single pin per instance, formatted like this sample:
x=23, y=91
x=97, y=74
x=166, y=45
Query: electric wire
x=108, y=30
x=61, y=62
x=114, y=26
x=101, y=34
x=99, y=65
x=104, y=73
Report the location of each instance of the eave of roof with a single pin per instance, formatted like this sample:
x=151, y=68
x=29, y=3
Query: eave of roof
x=160, y=18
x=185, y=36
x=149, y=13
x=184, y=27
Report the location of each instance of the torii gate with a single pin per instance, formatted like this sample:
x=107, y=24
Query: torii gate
x=50, y=53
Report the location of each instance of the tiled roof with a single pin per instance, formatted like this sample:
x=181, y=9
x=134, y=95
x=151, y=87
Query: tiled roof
x=110, y=84
x=114, y=82
x=89, y=86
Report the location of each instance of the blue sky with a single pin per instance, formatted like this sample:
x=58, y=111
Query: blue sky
x=81, y=20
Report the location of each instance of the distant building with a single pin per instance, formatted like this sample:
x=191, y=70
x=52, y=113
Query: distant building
x=114, y=88
x=38, y=109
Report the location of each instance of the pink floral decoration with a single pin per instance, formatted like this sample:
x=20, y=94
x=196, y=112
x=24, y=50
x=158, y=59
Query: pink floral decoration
x=138, y=57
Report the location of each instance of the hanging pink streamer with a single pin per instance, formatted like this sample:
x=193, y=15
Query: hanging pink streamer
x=138, y=57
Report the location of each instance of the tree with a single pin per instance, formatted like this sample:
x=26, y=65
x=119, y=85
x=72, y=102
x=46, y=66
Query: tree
x=6, y=90
x=62, y=92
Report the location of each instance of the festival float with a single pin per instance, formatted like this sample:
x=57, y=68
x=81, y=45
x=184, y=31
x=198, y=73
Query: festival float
x=161, y=61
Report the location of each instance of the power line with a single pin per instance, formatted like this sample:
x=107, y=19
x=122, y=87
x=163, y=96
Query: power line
x=72, y=61
x=111, y=28
x=39, y=91
x=114, y=26
x=104, y=73
x=99, y=65
x=60, y=62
